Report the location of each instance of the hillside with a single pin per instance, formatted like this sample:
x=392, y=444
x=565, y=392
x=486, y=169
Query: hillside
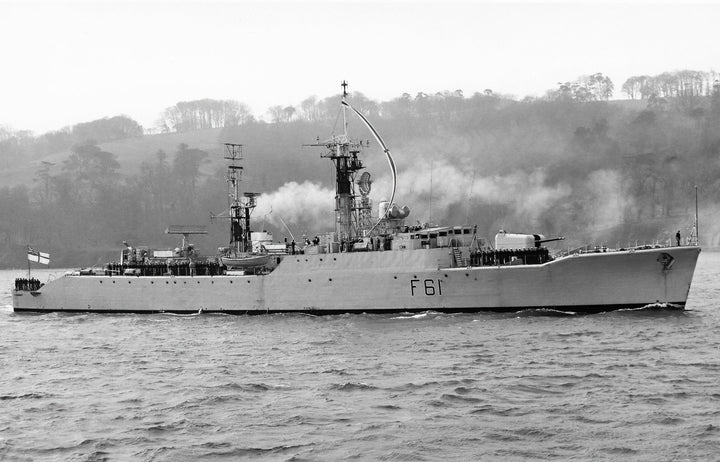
x=596, y=172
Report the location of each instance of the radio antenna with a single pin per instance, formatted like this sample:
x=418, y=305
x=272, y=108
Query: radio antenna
x=697, y=225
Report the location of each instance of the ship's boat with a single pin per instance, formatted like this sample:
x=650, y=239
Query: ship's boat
x=368, y=263
x=245, y=261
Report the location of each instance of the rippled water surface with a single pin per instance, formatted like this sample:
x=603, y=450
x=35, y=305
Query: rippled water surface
x=635, y=385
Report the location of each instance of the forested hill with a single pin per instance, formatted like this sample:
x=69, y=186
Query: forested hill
x=572, y=163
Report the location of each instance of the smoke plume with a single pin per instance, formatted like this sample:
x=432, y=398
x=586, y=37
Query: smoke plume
x=430, y=192
x=297, y=203
x=606, y=203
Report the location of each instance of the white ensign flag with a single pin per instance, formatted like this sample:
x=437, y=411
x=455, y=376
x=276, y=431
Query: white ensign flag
x=39, y=257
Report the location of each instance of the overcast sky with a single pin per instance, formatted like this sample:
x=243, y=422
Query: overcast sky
x=68, y=62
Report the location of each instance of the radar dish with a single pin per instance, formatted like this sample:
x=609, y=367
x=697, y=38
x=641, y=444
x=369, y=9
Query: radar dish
x=365, y=183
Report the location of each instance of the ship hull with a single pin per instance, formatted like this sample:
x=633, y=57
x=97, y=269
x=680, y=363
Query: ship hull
x=390, y=281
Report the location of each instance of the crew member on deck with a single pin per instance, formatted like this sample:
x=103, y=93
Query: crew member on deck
x=677, y=237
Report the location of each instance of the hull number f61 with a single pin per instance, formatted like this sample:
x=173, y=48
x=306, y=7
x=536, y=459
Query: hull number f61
x=430, y=287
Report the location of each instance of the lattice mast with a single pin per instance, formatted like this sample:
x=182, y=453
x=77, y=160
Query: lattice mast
x=240, y=207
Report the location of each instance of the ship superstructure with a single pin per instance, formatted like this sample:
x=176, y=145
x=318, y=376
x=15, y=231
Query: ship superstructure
x=368, y=264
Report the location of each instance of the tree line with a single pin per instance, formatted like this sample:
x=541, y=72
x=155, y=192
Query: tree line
x=204, y=113
x=683, y=83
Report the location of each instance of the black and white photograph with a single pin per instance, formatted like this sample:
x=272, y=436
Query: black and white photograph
x=289, y=230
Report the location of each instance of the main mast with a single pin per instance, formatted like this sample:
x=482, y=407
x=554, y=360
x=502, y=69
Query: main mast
x=343, y=152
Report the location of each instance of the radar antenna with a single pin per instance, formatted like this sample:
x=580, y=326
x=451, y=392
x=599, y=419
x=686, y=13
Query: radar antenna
x=364, y=183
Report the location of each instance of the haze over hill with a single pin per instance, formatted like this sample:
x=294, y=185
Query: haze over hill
x=571, y=163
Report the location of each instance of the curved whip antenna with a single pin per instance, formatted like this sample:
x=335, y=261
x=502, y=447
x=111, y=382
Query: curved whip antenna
x=387, y=153
x=281, y=221
x=286, y=227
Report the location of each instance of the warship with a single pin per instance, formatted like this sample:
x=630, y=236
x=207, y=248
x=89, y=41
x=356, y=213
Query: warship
x=368, y=264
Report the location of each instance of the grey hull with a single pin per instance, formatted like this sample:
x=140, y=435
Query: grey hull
x=389, y=281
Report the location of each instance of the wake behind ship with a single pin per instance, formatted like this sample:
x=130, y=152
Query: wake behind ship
x=367, y=264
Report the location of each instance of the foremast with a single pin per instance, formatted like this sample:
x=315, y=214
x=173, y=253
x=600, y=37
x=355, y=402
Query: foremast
x=240, y=206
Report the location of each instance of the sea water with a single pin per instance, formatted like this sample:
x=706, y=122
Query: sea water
x=629, y=385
